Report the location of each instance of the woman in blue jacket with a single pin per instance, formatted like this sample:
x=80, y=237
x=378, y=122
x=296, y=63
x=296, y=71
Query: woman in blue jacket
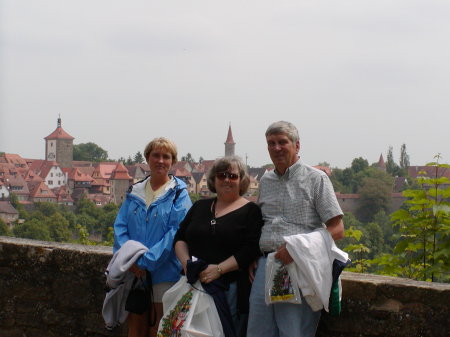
x=151, y=214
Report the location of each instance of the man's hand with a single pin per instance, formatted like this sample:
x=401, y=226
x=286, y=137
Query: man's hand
x=283, y=255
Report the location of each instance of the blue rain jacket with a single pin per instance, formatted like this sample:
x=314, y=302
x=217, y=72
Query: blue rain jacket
x=154, y=227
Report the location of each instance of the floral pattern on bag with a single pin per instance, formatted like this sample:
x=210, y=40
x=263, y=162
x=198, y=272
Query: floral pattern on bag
x=172, y=323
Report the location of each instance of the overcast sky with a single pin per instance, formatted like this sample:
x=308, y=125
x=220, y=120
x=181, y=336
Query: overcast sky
x=354, y=76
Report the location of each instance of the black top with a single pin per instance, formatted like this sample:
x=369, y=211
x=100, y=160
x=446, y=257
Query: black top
x=236, y=233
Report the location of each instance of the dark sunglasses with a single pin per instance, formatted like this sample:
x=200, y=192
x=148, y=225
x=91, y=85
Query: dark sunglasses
x=224, y=175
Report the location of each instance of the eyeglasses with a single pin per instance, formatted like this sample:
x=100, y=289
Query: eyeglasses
x=224, y=175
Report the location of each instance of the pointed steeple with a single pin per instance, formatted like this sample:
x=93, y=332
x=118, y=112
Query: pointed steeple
x=229, y=137
x=229, y=143
x=381, y=164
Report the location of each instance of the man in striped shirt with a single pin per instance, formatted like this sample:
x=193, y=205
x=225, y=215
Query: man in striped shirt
x=295, y=198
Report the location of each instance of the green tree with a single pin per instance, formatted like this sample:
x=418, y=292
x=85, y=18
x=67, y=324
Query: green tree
x=268, y=166
x=391, y=167
x=46, y=208
x=188, y=157
x=138, y=158
x=358, y=252
x=88, y=222
x=359, y=164
x=404, y=157
x=373, y=237
x=424, y=225
x=375, y=194
x=89, y=152
x=59, y=228
x=194, y=197
x=32, y=229
x=107, y=218
x=4, y=230
x=349, y=220
x=404, y=162
x=389, y=235
x=14, y=200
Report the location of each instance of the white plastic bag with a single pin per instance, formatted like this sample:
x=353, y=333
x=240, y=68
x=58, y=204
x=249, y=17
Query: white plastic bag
x=189, y=312
x=280, y=285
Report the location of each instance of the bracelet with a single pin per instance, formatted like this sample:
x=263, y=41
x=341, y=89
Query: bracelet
x=219, y=270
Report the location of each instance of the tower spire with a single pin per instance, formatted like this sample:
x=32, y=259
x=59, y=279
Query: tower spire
x=229, y=143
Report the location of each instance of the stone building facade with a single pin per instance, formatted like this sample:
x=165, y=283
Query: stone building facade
x=59, y=146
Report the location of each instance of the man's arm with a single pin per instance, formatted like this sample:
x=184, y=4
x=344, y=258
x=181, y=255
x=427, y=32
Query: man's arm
x=336, y=227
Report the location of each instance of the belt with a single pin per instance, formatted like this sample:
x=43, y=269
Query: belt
x=267, y=253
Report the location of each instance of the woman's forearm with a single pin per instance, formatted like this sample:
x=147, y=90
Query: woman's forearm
x=182, y=252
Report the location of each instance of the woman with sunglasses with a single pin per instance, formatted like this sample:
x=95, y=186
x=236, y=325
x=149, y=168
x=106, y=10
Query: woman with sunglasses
x=224, y=231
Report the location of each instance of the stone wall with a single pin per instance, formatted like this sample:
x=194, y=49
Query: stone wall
x=57, y=290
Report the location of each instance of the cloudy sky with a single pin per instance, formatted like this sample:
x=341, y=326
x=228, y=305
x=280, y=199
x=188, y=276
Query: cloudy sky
x=354, y=76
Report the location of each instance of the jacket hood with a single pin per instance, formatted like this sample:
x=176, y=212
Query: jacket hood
x=138, y=189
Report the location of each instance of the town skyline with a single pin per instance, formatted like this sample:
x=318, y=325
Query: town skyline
x=354, y=77
x=196, y=157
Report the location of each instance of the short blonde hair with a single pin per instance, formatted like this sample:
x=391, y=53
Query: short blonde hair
x=161, y=143
x=222, y=165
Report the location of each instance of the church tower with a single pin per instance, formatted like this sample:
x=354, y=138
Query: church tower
x=229, y=143
x=59, y=146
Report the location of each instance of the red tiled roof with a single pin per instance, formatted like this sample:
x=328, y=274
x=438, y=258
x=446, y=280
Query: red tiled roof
x=180, y=165
x=15, y=159
x=180, y=172
x=120, y=173
x=325, y=169
x=62, y=194
x=101, y=198
x=6, y=207
x=40, y=190
x=76, y=174
x=30, y=175
x=104, y=170
x=18, y=181
x=81, y=163
x=59, y=133
x=87, y=170
x=428, y=171
x=205, y=166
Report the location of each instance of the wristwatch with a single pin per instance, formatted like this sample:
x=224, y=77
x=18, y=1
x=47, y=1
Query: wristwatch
x=219, y=270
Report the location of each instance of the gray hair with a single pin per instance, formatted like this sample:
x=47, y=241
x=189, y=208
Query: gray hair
x=222, y=165
x=283, y=127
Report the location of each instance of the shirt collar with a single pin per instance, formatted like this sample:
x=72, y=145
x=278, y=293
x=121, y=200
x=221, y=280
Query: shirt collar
x=291, y=170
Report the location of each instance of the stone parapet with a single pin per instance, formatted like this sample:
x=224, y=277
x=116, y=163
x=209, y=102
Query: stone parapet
x=49, y=289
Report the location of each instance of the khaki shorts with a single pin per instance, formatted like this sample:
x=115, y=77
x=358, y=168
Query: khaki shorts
x=159, y=290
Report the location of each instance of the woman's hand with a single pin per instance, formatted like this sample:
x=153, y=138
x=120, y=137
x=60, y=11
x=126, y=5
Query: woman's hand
x=251, y=270
x=209, y=274
x=138, y=272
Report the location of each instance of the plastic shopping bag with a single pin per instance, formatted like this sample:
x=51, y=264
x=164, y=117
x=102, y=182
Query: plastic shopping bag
x=280, y=287
x=189, y=312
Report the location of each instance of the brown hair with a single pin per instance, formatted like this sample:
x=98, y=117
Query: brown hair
x=222, y=165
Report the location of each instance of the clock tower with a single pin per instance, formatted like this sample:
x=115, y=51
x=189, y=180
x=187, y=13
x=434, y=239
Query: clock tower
x=59, y=146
